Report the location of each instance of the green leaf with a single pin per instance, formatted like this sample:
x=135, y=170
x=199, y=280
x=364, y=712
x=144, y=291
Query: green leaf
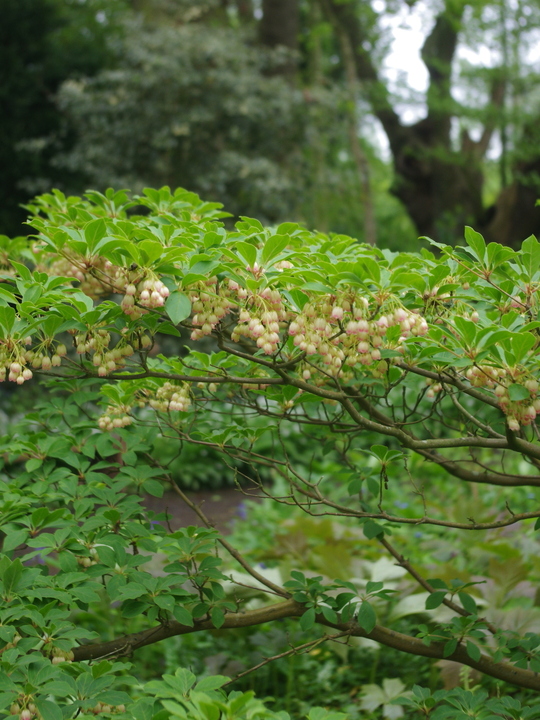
x=48, y=709
x=94, y=231
x=434, y=600
x=7, y=295
x=248, y=252
x=530, y=255
x=183, y=616
x=165, y=602
x=466, y=328
x=218, y=617
x=329, y=614
x=178, y=307
x=33, y=464
x=153, y=487
x=367, y=618
x=522, y=343
x=22, y=270
x=518, y=392
x=476, y=242
x=307, y=621
x=114, y=697
x=473, y=651
x=59, y=687
x=368, y=269
x=273, y=247
x=14, y=539
x=183, y=679
x=379, y=451
x=7, y=318
x=143, y=709
x=12, y=576
x=211, y=683
x=372, y=529
x=468, y=602
x=151, y=249
x=450, y=647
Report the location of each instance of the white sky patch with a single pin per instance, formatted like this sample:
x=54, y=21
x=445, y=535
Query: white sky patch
x=404, y=62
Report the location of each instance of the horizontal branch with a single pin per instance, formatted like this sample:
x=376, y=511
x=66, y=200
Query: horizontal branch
x=484, y=477
x=346, y=511
x=207, y=379
x=126, y=645
x=449, y=379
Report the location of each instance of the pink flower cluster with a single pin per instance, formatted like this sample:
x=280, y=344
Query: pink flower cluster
x=260, y=318
x=346, y=332
x=16, y=373
x=40, y=360
x=98, y=276
x=517, y=413
x=14, y=359
x=115, y=417
x=150, y=293
x=97, y=342
x=209, y=307
x=171, y=397
x=94, y=274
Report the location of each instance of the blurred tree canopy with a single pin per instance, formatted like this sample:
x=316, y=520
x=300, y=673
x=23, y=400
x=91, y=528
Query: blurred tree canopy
x=43, y=42
x=273, y=105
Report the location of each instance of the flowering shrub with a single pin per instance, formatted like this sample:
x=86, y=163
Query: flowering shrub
x=410, y=361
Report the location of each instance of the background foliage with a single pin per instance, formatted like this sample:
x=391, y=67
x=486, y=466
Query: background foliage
x=279, y=110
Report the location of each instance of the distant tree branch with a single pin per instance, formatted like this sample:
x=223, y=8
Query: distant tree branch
x=438, y=53
x=344, y=18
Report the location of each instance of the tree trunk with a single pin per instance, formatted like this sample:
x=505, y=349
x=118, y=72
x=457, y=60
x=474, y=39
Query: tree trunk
x=514, y=216
x=441, y=188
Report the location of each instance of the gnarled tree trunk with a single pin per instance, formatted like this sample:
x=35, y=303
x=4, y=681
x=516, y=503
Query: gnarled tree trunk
x=441, y=187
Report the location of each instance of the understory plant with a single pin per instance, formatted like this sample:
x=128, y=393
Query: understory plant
x=334, y=378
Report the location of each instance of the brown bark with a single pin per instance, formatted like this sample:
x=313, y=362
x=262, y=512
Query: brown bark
x=125, y=646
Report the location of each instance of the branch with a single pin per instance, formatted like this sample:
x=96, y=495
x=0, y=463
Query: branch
x=484, y=478
x=230, y=549
x=406, y=565
x=438, y=53
x=471, y=418
x=345, y=19
x=345, y=511
x=126, y=645
x=293, y=651
x=289, y=609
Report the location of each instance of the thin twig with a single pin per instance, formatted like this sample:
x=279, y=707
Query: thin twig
x=230, y=549
x=292, y=651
